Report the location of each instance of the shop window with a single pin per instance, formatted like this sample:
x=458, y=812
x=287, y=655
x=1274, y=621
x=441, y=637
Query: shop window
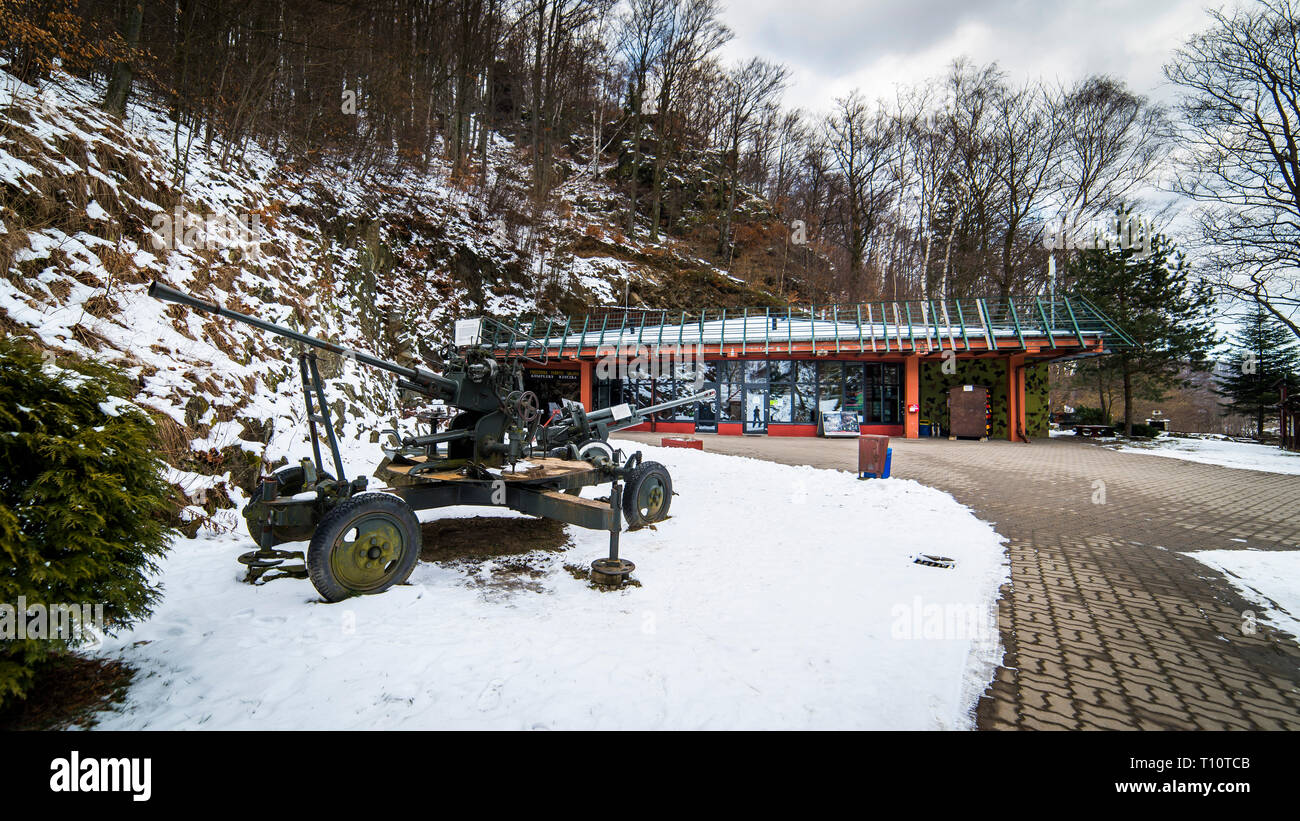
x=733, y=402
x=684, y=374
x=638, y=392
x=884, y=397
x=600, y=396
x=830, y=387
x=779, y=403
x=779, y=370
x=891, y=395
x=804, y=398
x=853, y=393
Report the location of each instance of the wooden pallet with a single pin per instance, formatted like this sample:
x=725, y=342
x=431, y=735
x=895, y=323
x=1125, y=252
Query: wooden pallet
x=542, y=470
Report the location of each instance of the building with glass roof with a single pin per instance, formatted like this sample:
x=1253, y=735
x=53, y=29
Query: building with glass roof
x=883, y=367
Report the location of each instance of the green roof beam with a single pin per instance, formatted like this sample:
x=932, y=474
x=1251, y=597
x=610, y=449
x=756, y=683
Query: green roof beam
x=1011, y=306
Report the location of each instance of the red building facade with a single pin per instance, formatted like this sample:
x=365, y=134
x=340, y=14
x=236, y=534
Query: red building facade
x=803, y=371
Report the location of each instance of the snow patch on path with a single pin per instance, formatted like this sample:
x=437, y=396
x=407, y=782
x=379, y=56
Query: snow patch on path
x=1269, y=579
x=775, y=597
x=1224, y=452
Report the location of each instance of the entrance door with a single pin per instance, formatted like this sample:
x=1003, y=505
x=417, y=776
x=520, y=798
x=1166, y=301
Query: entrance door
x=755, y=409
x=706, y=413
x=968, y=411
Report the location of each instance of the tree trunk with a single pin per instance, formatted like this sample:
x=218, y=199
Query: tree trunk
x=1101, y=395
x=1128, y=397
x=656, y=191
x=636, y=160
x=119, y=87
x=724, y=234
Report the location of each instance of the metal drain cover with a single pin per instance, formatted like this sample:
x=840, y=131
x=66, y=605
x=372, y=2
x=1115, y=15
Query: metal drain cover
x=934, y=561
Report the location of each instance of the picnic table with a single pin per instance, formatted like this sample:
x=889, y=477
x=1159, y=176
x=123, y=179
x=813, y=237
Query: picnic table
x=1094, y=430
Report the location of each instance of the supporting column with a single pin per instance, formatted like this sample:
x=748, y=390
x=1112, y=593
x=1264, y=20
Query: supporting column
x=911, y=394
x=1015, y=397
x=587, y=387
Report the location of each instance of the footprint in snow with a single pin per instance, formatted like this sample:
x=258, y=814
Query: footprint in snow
x=490, y=698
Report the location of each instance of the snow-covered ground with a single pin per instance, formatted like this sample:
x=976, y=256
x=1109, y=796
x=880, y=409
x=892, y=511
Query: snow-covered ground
x=1215, y=450
x=1267, y=578
x=774, y=597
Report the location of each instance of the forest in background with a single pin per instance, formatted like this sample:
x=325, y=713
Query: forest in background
x=957, y=187
x=945, y=191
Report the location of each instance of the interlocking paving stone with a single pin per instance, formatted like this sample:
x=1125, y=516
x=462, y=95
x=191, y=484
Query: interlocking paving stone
x=1105, y=625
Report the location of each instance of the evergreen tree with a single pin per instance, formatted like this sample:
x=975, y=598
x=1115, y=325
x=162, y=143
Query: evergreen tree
x=1264, y=354
x=83, y=500
x=1152, y=298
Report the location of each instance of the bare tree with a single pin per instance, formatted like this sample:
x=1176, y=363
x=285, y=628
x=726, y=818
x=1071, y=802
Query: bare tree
x=1026, y=132
x=969, y=193
x=1114, y=144
x=119, y=85
x=692, y=33
x=748, y=90
x=1241, y=143
x=928, y=142
x=861, y=145
x=561, y=53
x=641, y=42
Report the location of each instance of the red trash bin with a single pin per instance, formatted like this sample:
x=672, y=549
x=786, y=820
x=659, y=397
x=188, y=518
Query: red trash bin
x=873, y=450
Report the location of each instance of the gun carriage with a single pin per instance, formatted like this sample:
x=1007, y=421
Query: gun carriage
x=495, y=450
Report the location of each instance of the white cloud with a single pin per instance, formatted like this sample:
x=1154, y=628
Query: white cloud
x=834, y=47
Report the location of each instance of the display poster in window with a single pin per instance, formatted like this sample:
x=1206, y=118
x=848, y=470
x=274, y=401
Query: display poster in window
x=839, y=423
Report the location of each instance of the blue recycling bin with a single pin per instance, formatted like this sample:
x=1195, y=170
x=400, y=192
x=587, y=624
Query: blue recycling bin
x=884, y=474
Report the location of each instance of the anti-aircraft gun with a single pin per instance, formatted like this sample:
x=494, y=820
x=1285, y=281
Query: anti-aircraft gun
x=365, y=542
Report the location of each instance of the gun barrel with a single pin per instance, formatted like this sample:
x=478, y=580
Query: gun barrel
x=639, y=415
x=419, y=376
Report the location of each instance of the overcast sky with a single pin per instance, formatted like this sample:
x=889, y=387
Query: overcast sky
x=833, y=47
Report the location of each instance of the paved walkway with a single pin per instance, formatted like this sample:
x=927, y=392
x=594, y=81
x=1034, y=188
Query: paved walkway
x=1106, y=626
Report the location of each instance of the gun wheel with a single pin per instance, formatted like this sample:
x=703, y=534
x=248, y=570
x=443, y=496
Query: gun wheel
x=367, y=544
x=648, y=495
x=596, y=452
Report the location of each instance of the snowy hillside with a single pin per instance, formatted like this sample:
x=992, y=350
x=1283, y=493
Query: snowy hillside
x=383, y=261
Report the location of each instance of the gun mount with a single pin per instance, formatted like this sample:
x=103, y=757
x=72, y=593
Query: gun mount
x=364, y=542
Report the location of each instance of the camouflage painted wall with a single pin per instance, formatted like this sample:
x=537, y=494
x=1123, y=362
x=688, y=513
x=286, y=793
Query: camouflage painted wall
x=1036, y=399
x=991, y=374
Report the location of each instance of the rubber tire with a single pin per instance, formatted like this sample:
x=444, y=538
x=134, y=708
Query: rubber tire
x=338, y=521
x=633, y=488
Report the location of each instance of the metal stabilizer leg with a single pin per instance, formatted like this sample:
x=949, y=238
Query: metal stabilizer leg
x=266, y=558
x=261, y=561
x=613, y=572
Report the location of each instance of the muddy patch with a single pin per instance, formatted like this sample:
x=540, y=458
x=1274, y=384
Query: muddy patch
x=498, y=555
x=69, y=692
